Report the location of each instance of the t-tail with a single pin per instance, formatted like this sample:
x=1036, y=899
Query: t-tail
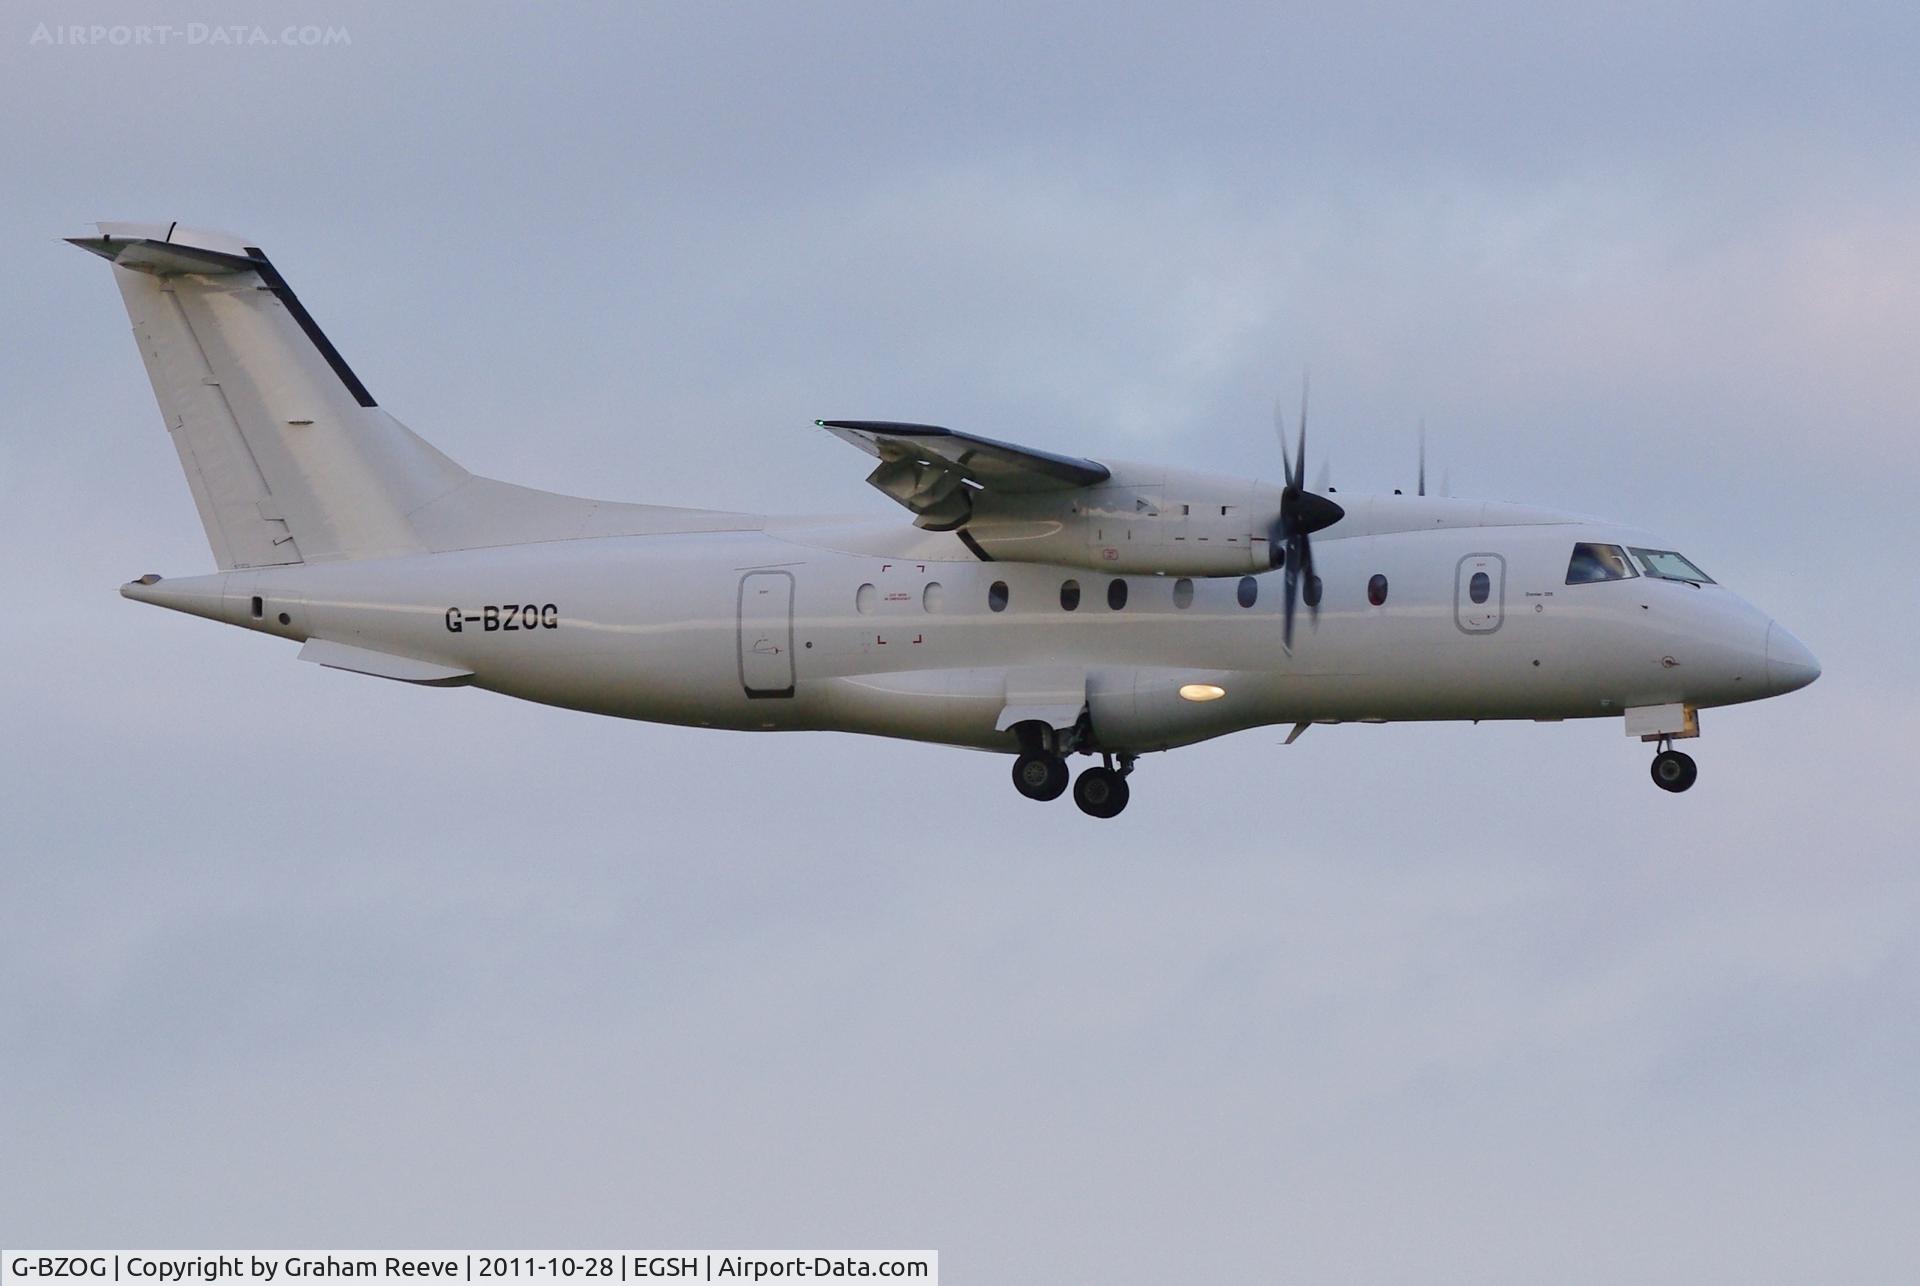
x=289, y=456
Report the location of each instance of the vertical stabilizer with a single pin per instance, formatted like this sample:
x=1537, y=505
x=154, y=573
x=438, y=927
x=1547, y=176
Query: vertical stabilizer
x=287, y=454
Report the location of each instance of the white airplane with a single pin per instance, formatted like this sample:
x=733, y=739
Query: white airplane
x=1039, y=605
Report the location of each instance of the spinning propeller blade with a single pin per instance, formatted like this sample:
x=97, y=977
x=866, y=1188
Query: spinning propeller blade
x=1302, y=512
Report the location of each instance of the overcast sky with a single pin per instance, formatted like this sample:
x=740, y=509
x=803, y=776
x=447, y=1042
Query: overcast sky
x=290, y=957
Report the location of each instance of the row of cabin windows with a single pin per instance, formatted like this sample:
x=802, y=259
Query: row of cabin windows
x=1591, y=562
x=1246, y=593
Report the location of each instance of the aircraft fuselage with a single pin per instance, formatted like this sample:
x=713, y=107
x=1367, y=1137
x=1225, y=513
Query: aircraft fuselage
x=784, y=627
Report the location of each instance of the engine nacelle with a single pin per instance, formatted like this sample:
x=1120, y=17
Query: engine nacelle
x=1143, y=520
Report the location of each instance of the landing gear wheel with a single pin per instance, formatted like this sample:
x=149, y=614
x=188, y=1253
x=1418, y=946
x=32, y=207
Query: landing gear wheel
x=1674, y=771
x=1040, y=777
x=1101, y=792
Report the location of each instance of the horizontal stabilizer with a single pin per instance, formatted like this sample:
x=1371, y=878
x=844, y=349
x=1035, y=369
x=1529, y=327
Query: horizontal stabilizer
x=164, y=259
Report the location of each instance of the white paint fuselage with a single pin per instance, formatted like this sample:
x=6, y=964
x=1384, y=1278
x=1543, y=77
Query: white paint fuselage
x=651, y=627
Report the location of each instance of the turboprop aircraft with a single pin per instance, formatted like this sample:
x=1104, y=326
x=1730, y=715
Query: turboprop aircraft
x=1040, y=605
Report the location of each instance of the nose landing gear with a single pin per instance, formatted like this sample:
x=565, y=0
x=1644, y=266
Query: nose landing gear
x=1673, y=770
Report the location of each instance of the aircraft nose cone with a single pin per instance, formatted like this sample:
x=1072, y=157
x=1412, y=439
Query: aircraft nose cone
x=1789, y=664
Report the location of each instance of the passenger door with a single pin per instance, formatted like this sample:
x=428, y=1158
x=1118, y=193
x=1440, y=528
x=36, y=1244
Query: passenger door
x=766, y=634
x=1480, y=593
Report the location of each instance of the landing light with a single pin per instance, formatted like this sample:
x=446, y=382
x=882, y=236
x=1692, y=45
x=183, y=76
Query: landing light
x=1201, y=692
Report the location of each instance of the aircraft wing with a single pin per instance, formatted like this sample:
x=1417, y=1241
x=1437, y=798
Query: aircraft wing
x=933, y=471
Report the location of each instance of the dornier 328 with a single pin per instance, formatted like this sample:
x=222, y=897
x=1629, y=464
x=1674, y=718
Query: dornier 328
x=1040, y=605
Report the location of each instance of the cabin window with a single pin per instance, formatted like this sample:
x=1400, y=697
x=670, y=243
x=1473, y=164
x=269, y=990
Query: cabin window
x=1377, y=590
x=1479, y=587
x=934, y=597
x=1312, y=591
x=1592, y=563
x=997, y=596
x=1116, y=594
x=1248, y=592
x=259, y=607
x=1668, y=565
x=864, y=598
x=1183, y=593
x=1070, y=596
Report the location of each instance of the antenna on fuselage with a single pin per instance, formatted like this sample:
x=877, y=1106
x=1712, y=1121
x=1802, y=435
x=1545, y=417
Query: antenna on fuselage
x=1421, y=483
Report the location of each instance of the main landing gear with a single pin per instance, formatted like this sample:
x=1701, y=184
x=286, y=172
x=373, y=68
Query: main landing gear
x=1041, y=770
x=1100, y=791
x=1040, y=776
x=1673, y=770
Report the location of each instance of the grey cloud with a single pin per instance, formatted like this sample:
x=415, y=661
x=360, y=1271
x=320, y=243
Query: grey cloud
x=290, y=957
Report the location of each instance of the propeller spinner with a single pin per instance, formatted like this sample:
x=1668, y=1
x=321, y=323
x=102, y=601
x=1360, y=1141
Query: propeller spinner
x=1302, y=512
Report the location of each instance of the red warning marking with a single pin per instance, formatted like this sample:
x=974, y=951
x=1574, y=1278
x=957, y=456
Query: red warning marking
x=885, y=566
x=918, y=637
x=877, y=639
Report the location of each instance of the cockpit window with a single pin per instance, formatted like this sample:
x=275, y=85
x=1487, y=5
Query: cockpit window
x=1668, y=565
x=1598, y=562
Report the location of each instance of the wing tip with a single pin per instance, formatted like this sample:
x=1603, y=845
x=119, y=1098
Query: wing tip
x=899, y=427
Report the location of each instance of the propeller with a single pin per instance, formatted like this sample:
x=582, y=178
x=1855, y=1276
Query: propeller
x=1302, y=513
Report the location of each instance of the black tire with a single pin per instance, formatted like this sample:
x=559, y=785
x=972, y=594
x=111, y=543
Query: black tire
x=1101, y=792
x=1040, y=777
x=1674, y=771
